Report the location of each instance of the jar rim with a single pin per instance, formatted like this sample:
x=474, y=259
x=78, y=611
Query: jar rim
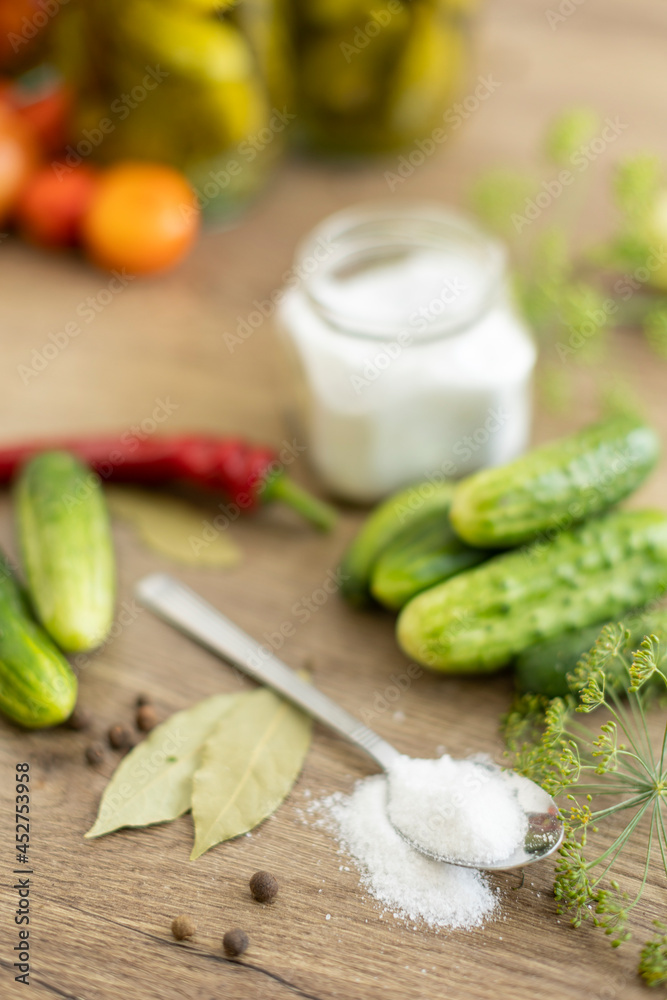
x=355, y=234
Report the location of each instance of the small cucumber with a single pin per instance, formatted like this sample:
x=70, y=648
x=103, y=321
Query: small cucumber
x=67, y=550
x=423, y=556
x=480, y=620
x=392, y=520
x=543, y=668
x=556, y=486
x=37, y=685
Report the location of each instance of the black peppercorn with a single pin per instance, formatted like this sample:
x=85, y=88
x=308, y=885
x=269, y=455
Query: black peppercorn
x=235, y=942
x=264, y=887
x=142, y=699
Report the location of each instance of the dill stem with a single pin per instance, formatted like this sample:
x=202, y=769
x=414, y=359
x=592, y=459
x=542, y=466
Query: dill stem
x=662, y=841
x=635, y=699
x=648, y=861
x=639, y=719
x=618, y=845
x=662, y=754
x=601, y=789
x=621, y=806
x=625, y=728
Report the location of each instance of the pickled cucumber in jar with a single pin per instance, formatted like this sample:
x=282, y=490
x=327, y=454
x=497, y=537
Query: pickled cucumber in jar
x=375, y=76
x=187, y=82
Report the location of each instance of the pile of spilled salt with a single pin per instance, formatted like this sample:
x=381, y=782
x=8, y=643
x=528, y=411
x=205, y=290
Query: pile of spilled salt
x=486, y=822
x=457, y=809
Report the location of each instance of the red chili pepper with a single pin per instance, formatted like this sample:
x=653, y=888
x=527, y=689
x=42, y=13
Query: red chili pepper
x=245, y=473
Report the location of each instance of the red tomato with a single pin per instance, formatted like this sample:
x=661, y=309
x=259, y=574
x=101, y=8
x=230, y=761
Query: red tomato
x=20, y=23
x=143, y=217
x=18, y=159
x=48, y=115
x=53, y=202
x=5, y=91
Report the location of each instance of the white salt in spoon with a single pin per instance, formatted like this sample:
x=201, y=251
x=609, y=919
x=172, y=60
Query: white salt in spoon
x=186, y=611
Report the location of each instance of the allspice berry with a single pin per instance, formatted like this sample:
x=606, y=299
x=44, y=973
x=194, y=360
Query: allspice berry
x=119, y=737
x=146, y=718
x=79, y=719
x=94, y=754
x=264, y=887
x=235, y=942
x=182, y=927
x=142, y=699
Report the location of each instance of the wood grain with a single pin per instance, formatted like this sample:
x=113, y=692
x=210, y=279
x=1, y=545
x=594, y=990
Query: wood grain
x=102, y=909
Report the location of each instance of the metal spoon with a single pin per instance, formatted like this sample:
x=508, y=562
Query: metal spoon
x=186, y=611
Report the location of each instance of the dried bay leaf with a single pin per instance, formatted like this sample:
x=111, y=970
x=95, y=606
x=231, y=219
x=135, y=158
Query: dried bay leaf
x=153, y=783
x=247, y=767
x=173, y=528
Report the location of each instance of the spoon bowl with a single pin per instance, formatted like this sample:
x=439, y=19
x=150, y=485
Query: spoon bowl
x=543, y=835
x=186, y=611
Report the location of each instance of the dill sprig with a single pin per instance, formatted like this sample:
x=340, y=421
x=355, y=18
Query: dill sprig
x=653, y=960
x=615, y=770
x=572, y=291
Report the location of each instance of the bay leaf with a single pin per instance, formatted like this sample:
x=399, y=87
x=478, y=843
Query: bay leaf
x=153, y=783
x=173, y=528
x=247, y=767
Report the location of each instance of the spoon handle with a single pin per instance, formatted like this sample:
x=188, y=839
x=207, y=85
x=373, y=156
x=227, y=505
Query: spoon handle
x=188, y=612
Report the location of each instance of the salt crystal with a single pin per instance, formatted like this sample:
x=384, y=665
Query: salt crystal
x=406, y=882
x=458, y=809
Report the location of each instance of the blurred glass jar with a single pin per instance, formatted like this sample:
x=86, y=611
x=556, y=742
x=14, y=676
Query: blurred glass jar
x=406, y=359
x=374, y=76
x=199, y=84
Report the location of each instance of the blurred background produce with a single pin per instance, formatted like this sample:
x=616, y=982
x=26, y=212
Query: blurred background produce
x=191, y=84
x=374, y=77
x=211, y=89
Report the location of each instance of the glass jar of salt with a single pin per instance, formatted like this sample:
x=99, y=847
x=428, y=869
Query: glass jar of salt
x=410, y=360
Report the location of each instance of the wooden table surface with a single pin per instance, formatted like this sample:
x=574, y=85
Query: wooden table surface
x=101, y=909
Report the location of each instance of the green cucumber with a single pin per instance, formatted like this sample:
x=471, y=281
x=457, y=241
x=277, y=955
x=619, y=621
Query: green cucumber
x=423, y=556
x=544, y=667
x=556, y=486
x=37, y=685
x=478, y=621
x=67, y=550
x=392, y=520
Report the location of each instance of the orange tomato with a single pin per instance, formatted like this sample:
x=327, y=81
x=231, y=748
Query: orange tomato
x=143, y=217
x=51, y=206
x=18, y=159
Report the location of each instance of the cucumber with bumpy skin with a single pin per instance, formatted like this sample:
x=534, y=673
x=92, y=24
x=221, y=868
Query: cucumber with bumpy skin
x=478, y=621
x=420, y=558
x=37, y=685
x=67, y=550
x=544, y=667
x=556, y=486
x=392, y=520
